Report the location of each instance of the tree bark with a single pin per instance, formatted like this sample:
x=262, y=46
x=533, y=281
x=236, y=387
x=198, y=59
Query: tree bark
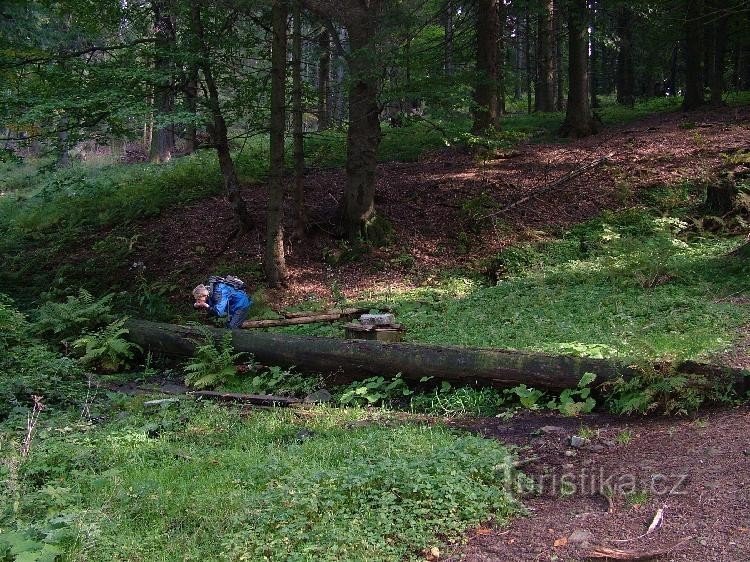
x=191, y=103
x=300, y=218
x=357, y=211
x=545, y=70
x=447, y=17
x=162, y=140
x=579, y=119
x=719, y=53
x=625, y=76
x=558, y=48
x=527, y=56
x=693, y=55
x=361, y=358
x=218, y=128
x=595, y=55
x=501, y=48
x=486, y=114
x=324, y=83
x=274, y=262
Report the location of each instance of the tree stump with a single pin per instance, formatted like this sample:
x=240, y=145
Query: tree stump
x=721, y=196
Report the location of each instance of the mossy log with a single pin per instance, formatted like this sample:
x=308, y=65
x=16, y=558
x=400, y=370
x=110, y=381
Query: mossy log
x=362, y=358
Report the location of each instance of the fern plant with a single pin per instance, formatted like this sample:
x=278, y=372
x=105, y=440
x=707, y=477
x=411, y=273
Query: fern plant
x=76, y=315
x=213, y=363
x=106, y=349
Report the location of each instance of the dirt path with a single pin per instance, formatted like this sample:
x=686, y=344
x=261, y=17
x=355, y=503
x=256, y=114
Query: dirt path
x=696, y=471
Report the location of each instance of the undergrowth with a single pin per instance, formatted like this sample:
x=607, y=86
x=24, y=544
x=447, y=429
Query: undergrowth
x=199, y=481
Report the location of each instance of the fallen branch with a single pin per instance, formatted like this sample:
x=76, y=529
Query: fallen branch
x=618, y=554
x=549, y=186
x=255, y=399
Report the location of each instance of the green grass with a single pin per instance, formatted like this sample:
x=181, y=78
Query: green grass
x=594, y=307
x=201, y=482
x=618, y=286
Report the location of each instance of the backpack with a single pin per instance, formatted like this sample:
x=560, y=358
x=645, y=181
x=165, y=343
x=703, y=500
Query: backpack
x=231, y=280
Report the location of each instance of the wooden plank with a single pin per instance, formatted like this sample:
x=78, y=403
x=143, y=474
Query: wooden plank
x=341, y=311
x=249, y=324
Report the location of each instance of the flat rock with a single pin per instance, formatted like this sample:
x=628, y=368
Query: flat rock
x=319, y=396
x=551, y=429
x=580, y=536
x=577, y=441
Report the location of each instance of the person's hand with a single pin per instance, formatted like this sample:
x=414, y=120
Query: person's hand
x=200, y=305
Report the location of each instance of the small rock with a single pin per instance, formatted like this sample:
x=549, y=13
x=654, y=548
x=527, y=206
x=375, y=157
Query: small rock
x=318, y=397
x=551, y=429
x=609, y=443
x=570, y=453
x=577, y=441
x=166, y=402
x=580, y=536
x=303, y=435
x=703, y=542
x=596, y=448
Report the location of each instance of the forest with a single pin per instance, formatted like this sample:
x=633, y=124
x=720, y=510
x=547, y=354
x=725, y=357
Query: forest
x=430, y=280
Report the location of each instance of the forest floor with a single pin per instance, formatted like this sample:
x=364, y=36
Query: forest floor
x=695, y=472
x=438, y=206
x=608, y=492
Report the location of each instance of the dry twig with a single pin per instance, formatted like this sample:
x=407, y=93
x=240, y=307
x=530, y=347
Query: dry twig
x=618, y=554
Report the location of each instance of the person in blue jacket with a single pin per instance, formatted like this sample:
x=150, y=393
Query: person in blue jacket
x=225, y=300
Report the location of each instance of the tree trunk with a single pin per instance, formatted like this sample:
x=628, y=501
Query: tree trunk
x=579, y=119
x=527, y=56
x=162, y=141
x=300, y=219
x=558, y=48
x=274, y=263
x=501, y=18
x=545, y=57
x=719, y=53
x=447, y=17
x=218, y=128
x=357, y=212
x=324, y=83
x=191, y=103
x=625, y=77
x=361, y=358
x=594, y=57
x=486, y=114
x=518, y=63
x=693, y=55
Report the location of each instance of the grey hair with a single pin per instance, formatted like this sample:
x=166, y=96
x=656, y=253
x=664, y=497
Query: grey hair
x=200, y=290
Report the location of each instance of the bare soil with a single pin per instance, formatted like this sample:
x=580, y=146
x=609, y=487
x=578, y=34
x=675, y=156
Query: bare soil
x=607, y=493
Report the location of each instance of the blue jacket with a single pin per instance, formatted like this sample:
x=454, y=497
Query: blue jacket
x=227, y=300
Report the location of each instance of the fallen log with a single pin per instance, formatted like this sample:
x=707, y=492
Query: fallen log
x=361, y=358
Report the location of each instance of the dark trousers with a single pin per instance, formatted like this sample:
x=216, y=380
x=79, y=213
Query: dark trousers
x=235, y=320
